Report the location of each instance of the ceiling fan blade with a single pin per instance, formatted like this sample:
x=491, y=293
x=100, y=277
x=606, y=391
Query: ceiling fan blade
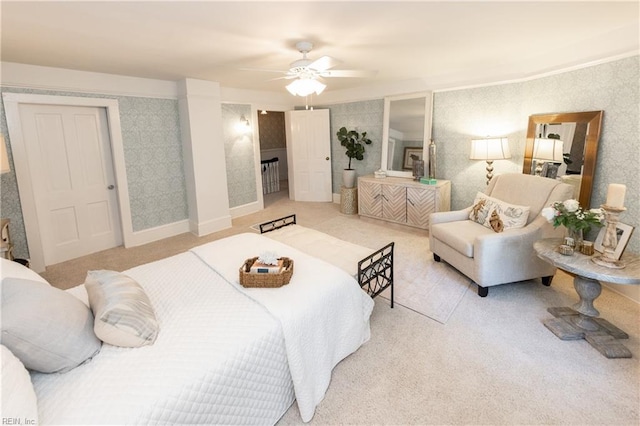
x=286, y=77
x=262, y=70
x=324, y=63
x=349, y=73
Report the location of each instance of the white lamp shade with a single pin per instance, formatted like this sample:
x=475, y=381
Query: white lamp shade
x=547, y=149
x=4, y=157
x=490, y=149
x=305, y=87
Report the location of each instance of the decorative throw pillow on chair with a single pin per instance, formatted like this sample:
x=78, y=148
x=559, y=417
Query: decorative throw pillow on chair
x=498, y=215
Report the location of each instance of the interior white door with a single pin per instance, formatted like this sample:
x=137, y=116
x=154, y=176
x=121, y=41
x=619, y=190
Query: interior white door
x=309, y=151
x=71, y=168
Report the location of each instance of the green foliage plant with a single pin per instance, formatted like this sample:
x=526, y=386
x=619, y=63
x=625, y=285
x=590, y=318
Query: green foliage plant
x=354, y=143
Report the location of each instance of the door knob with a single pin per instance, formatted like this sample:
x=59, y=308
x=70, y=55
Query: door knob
x=327, y=158
x=110, y=187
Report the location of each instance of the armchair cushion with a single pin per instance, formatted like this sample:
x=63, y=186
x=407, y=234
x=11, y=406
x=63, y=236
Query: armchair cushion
x=496, y=214
x=460, y=235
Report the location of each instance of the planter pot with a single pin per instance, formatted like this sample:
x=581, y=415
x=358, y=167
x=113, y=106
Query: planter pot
x=349, y=178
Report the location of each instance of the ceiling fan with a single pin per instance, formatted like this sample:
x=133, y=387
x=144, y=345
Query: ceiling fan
x=309, y=73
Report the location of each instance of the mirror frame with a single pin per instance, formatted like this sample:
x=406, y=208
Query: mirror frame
x=594, y=119
x=428, y=110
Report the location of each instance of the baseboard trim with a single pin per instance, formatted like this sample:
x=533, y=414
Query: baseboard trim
x=244, y=209
x=158, y=233
x=628, y=291
x=205, y=228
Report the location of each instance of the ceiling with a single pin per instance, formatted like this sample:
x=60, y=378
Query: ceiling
x=441, y=44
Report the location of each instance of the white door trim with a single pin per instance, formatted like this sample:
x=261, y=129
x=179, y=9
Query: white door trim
x=20, y=162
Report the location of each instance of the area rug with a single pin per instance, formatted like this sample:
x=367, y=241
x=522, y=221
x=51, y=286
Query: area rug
x=427, y=287
x=435, y=291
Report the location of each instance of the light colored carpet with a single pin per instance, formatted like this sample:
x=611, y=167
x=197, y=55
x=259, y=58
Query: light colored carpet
x=492, y=363
x=420, y=284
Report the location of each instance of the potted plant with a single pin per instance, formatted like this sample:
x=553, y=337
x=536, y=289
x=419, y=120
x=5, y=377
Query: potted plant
x=576, y=219
x=354, y=143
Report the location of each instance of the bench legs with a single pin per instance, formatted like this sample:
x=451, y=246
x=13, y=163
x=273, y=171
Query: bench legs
x=375, y=272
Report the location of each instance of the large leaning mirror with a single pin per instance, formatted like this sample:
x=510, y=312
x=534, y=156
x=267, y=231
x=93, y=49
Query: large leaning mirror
x=564, y=146
x=406, y=131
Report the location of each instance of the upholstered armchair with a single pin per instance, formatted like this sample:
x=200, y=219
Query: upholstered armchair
x=491, y=242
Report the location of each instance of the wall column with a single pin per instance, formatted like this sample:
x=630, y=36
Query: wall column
x=204, y=156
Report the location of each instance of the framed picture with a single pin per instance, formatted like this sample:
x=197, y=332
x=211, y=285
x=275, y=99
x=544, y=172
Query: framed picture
x=407, y=162
x=624, y=233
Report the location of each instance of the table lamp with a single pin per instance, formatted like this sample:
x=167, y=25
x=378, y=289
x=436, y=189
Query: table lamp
x=490, y=149
x=546, y=149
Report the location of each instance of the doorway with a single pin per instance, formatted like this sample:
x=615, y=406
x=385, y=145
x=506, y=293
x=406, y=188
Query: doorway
x=73, y=181
x=30, y=187
x=273, y=145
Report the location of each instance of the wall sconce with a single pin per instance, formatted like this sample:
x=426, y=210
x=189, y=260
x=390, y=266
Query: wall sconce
x=546, y=149
x=490, y=149
x=243, y=126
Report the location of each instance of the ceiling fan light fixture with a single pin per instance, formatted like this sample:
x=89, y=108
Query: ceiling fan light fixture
x=305, y=87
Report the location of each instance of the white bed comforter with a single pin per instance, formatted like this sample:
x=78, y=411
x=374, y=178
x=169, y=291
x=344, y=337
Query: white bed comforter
x=323, y=312
x=220, y=358
x=343, y=254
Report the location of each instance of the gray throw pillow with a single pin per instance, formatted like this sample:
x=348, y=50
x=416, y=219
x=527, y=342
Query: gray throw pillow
x=123, y=312
x=48, y=329
x=18, y=397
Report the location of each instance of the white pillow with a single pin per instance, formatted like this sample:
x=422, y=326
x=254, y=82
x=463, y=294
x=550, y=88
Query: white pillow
x=498, y=215
x=123, y=312
x=18, y=397
x=9, y=268
x=48, y=329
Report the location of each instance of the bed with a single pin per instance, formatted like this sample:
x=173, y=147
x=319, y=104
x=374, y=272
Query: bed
x=225, y=354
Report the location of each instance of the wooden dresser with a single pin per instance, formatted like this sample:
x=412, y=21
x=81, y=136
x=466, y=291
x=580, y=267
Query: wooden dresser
x=402, y=200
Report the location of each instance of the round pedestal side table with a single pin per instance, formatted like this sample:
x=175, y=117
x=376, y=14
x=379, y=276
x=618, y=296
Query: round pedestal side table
x=583, y=321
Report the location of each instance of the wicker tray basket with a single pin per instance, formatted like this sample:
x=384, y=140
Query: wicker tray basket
x=248, y=279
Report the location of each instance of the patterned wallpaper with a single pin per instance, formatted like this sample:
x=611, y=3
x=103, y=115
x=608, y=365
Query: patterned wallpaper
x=504, y=109
x=153, y=155
x=272, y=130
x=238, y=147
x=365, y=116
x=153, y=152
x=153, y=159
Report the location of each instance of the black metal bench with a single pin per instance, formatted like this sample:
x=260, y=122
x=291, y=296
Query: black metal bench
x=375, y=271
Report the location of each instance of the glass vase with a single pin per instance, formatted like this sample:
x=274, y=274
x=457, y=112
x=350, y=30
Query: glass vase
x=418, y=169
x=432, y=160
x=574, y=238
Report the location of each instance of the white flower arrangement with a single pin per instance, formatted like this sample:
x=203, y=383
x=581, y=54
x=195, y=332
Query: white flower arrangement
x=569, y=214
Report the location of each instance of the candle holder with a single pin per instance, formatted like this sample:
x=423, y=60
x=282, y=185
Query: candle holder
x=610, y=239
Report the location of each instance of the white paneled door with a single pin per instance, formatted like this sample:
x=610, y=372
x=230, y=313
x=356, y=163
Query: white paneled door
x=71, y=168
x=309, y=154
